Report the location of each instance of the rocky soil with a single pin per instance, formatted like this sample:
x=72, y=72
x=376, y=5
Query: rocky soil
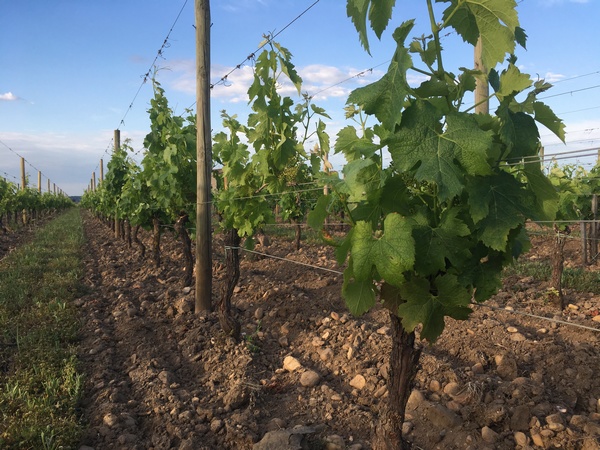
x=308, y=375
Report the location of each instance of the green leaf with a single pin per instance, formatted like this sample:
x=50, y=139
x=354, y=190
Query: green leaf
x=319, y=213
x=441, y=246
x=545, y=116
x=512, y=81
x=519, y=133
x=352, y=146
x=437, y=156
x=498, y=204
x=391, y=254
x=496, y=21
x=546, y=197
x=385, y=98
x=379, y=13
x=359, y=295
x=428, y=305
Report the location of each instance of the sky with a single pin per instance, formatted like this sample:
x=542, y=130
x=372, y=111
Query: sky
x=72, y=71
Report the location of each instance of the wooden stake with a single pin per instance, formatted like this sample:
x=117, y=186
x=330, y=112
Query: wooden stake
x=23, y=179
x=39, y=182
x=101, y=172
x=204, y=159
x=482, y=89
x=117, y=140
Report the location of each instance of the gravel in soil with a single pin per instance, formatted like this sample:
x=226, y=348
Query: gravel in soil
x=307, y=374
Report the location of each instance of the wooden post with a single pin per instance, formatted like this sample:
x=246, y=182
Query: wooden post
x=94, y=181
x=584, y=243
x=482, y=90
x=594, y=228
x=54, y=188
x=39, y=181
x=48, y=185
x=117, y=148
x=101, y=172
x=204, y=160
x=23, y=179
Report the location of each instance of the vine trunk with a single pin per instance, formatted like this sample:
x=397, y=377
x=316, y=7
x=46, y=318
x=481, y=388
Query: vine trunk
x=186, y=247
x=228, y=323
x=404, y=364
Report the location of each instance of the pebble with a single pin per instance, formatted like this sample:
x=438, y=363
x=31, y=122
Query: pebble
x=259, y=313
x=441, y=417
x=383, y=330
x=537, y=440
x=325, y=354
x=358, y=382
x=520, y=418
x=335, y=442
x=291, y=364
x=517, y=337
x=512, y=330
x=310, y=378
x=407, y=427
x=110, y=420
x=506, y=367
x=434, y=386
x=415, y=399
x=521, y=438
x=335, y=316
x=596, y=318
x=478, y=369
x=489, y=435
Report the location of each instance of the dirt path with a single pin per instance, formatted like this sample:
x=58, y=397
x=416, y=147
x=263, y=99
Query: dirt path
x=159, y=377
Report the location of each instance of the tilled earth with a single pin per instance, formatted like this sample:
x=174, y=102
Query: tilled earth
x=307, y=374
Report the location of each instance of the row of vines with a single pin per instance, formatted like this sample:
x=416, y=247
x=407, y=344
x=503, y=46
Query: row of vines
x=20, y=206
x=427, y=234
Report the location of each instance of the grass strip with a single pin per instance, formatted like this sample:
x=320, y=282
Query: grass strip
x=39, y=380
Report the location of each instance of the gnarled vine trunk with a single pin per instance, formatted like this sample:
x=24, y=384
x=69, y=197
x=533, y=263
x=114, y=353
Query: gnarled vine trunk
x=139, y=243
x=404, y=364
x=232, y=274
x=298, y=236
x=156, y=241
x=186, y=247
x=558, y=259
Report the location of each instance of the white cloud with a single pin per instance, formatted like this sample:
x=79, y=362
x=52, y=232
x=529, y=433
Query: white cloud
x=8, y=97
x=552, y=77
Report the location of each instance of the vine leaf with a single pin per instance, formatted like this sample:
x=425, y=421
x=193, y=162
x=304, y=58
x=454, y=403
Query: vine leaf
x=545, y=116
x=378, y=12
x=496, y=21
x=427, y=305
x=359, y=294
x=496, y=206
x=385, y=98
x=391, y=254
x=439, y=156
x=440, y=244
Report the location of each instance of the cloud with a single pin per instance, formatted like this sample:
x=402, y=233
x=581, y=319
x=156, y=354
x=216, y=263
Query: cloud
x=552, y=77
x=8, y=97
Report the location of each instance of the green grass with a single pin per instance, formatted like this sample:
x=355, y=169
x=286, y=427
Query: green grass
x=573, y=278
x=39, y=380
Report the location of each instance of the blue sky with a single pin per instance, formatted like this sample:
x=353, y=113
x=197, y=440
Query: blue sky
x=69, y=69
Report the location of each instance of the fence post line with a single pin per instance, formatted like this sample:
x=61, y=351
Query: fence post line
x=101, y=172
x=203, y=294
x=117, y=140
x=584, y=242
x=23, y=179
x=594, y=228
x=39, y=181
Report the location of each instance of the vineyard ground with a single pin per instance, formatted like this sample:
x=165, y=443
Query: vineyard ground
x=160, y=377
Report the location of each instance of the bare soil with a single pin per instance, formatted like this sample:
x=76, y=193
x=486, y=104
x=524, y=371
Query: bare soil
x=160, y=377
